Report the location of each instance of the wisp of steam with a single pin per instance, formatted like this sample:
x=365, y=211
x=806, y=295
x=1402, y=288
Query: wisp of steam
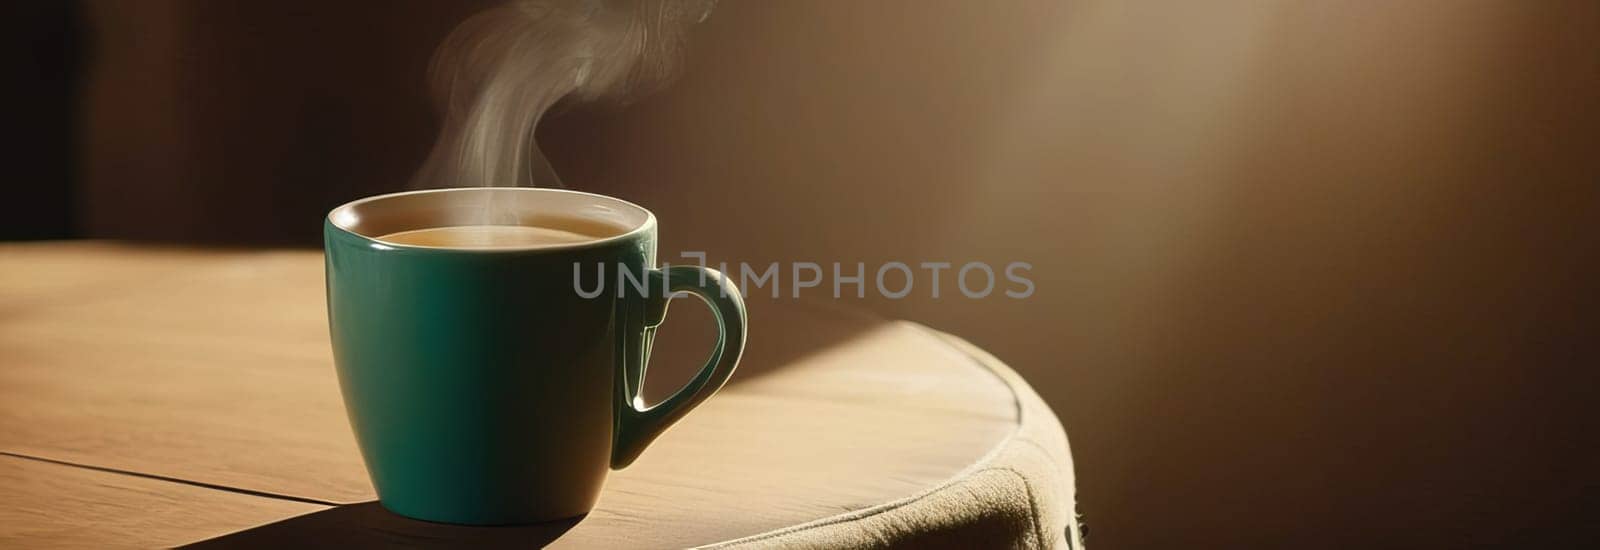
x=498, y=73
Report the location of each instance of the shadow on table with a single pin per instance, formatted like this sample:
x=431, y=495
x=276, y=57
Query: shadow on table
x=368, y=525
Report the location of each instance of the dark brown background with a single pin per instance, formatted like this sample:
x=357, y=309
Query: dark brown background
x=1309, y=274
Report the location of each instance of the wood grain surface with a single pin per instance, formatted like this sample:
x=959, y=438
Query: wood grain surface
x=213, y=367
x=44, y=505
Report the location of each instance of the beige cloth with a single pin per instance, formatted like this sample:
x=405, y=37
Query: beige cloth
x=1021, y=495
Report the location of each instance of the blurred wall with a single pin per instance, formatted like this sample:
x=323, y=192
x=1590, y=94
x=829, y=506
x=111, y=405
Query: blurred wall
x=238, y=121
x=42, y=53
x=1308, y=273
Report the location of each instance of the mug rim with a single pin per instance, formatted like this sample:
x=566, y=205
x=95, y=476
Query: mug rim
x=646, y=226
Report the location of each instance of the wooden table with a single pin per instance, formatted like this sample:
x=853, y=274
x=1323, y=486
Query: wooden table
x=154, y=396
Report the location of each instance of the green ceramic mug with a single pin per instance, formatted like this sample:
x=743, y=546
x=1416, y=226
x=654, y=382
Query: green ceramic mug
x=493, y=386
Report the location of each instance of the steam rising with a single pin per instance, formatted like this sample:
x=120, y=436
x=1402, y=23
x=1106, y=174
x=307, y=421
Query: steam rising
x=500, y=70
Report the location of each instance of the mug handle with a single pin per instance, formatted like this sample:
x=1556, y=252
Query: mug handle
x=638, y=425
